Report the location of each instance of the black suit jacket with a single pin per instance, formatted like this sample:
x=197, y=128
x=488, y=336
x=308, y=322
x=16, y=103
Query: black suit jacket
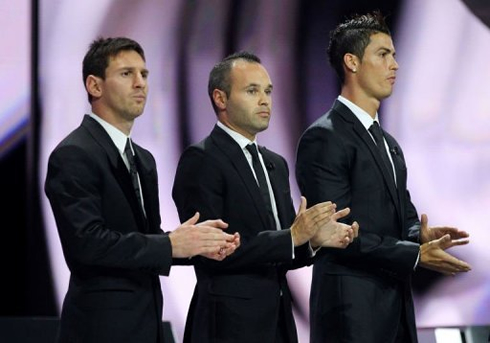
x=238, y=299
x=358, y=294
x=114, y=256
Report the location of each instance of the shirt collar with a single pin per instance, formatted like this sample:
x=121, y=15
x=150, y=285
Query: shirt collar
x=362, y=115
x=241, y=140
x=116, y=135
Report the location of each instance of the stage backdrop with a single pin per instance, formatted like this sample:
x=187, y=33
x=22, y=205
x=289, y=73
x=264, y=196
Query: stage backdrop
x=440, y=111
x=14, y=73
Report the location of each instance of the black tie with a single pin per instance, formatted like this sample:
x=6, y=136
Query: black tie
x=133, y=172
x=264, y=188
x=375, y=130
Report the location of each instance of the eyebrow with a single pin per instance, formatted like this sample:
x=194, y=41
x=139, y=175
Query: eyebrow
x=257, y=85
x=387, y=50
x=143, y=71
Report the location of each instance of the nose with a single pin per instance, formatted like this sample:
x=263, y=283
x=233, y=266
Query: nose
x=139, y=80
x=265, y=98
x=395, y=65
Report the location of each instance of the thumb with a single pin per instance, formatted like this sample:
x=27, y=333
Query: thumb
x=444, y=242
x=302, y=206
x=424, y=220
x=192, y=220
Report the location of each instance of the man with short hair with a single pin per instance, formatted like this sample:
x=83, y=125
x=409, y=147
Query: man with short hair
x=246, y=298
x=103, y=191
x=362, y=293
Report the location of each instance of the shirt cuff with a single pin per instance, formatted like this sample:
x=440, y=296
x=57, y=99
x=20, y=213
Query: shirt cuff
x=292, y=244
x=417, y=261
x=313, y=251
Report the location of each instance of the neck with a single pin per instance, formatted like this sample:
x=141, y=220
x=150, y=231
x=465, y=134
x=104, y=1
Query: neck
x=368, y=104
x=235, y=128
x=122, y=124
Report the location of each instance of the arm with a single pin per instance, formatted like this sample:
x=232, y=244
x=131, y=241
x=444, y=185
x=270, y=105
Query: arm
x=211, y=186
x=83, y=193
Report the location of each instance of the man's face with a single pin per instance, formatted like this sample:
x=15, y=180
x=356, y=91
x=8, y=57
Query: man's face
x=124, y=90
x=248, y=108
x=377, y=70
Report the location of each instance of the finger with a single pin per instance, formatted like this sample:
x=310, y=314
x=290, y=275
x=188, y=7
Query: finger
x=192, y=220
x=355, y=227
x=211, y=235
x=341, y=214
x=444, y=242
x=455, y=265
x=237, y=239
x=424, y=220
x=460, y=234
x=456, y=242
x=454, y=232
x=217, y=223
x=302, y=205
x=327, y=206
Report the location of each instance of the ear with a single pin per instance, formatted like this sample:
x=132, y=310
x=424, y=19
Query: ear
x=220, y=99
x=93, y=86
x=351, y=62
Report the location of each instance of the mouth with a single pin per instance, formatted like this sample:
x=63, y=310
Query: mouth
x=140, y=97
x=392, y=79
x=264, y=114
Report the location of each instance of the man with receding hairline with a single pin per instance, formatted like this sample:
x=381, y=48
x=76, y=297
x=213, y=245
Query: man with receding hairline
x=246, y=298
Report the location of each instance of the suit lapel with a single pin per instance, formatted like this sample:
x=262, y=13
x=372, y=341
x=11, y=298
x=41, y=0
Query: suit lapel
x=363, y=134
x=400, y=171
x=149, y=186
x=237, y=158
x=117, y=165
x=275, y=180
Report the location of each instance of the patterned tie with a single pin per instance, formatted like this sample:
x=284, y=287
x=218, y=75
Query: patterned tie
x=375, y=130
x=264, y=188
x=133, y=171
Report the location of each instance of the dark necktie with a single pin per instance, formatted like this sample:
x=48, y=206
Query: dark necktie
x=264, y=189
x=133, y=172
x=375, y=130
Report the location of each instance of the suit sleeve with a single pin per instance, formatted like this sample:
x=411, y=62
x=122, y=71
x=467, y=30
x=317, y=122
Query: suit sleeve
x=76, y=188
x=324, y=172
x=200, y=186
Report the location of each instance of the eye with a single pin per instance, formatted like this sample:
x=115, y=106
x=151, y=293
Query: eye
x=252, y=91
x=126, y=73
x=144, y=75
x=268, y=91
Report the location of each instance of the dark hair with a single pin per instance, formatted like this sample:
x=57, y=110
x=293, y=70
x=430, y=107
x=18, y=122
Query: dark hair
x=219, y=77
x=98, y=56
x=353, y=36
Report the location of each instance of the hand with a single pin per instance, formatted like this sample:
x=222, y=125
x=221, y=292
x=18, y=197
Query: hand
x=225, y=251
x=190, y=239
x=434, y=257
x=428, y=234
x=334, y=234
x=309, y=221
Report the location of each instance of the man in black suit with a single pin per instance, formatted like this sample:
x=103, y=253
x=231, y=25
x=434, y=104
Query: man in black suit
x=109, y=226
x=246, y=297
x=362, y=293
